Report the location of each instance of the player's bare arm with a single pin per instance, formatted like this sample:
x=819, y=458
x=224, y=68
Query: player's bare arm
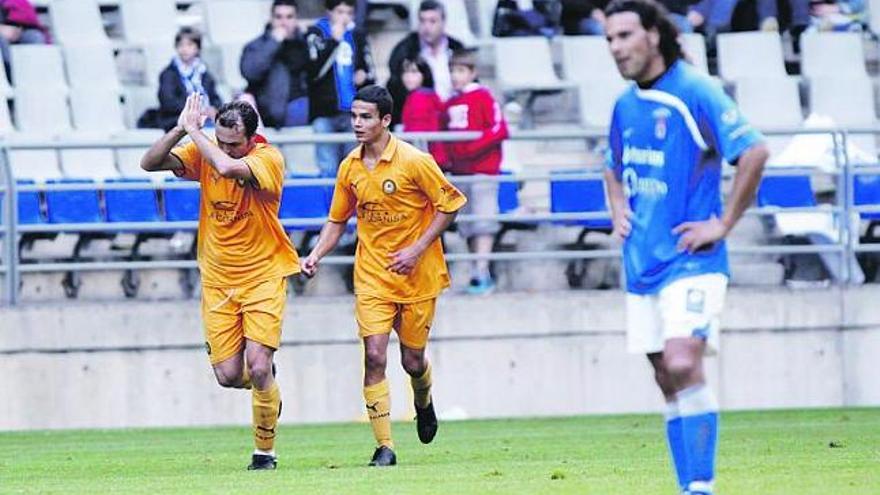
x=327, y=241
x=404, y=260
x=159, y=156
x=750, y=166
x=192, y=118
x=620, y=212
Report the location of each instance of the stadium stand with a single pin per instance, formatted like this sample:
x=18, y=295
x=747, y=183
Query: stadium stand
x=771, y=103
x=95, y=163
x=91, y=66
x=587, y=58
x=41, y=111
x=832, y=54
x=38, y=66
x=37, y=165
x=736, y=55
x=97, y=109
x=146, y=22
x=77, y=22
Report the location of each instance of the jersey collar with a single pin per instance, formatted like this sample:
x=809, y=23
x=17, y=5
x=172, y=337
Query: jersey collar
x=387, y=153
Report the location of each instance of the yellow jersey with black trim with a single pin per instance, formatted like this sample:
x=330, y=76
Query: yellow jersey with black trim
x=394, y=203
x=241, y=241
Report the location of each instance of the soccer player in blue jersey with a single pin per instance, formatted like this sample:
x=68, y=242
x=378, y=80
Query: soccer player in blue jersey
x=670, y=133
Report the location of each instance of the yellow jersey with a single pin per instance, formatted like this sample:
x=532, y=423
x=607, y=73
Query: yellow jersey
x=394, y=203
x=241, y=241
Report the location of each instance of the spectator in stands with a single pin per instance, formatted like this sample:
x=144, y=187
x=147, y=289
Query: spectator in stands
x=429, y=42
x=473, y=108
x=678, y=11
x=185, y=75
x=526, y=18
x=19, y=25
x=275, y=67
x=339, y=64
x=840, y=15
x=583, y=17
x=422, y=110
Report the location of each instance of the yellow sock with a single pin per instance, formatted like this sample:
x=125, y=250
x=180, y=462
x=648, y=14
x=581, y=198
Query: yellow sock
x=245, y=377
x=422, y=388
x=379, y=409
x=266, y=404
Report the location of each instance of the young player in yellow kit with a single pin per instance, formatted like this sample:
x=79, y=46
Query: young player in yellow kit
x=403, y=203
x=245, y=256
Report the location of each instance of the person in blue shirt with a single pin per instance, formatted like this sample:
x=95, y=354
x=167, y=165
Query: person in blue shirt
x=670, y=133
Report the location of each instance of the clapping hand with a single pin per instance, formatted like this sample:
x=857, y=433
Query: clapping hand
x=192, y=118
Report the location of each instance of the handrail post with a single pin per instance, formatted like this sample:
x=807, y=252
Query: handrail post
x=11, y=257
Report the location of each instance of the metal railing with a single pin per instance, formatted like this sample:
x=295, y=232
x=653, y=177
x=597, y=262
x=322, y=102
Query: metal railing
x=843, y=208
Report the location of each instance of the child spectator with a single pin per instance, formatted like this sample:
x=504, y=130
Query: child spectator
x=473, y=108
x=185, y=75
x=422, y=109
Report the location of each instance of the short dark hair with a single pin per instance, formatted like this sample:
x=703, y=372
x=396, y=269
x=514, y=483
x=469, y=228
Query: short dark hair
x=284, y=3
x=238, y=113
x=652, y=15
x=188, y=33
x=465, y=56
x=432, y=5
x=422, y=66
x=331, y=4
x=377, y=95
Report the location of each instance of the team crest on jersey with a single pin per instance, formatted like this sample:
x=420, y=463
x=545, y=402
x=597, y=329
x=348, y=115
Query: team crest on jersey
x=661, y=115
x=389, y=187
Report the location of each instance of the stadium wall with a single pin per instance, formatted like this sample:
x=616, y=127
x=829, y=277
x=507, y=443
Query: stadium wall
x=129, y=364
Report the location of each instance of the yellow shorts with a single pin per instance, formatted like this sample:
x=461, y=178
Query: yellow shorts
x=232, y=315
x=412, y=321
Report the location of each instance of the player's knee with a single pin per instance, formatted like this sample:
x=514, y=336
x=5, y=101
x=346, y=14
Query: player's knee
x=260, y=370
x=375, y=359
x=226, y=380
x=413, y=364
x=679, y=368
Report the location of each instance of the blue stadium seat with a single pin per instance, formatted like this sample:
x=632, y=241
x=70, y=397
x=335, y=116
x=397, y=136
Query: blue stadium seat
x=508, y=198
x=131, y=205
x=181, y=205
x=28, y=205
x=304, y=202
x=866, y=191
x=787, y=191
x=74, y=206
x=579, y=196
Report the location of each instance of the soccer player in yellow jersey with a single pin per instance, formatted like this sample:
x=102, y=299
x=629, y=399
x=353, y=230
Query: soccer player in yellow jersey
x=244, y=254
x=403, y=203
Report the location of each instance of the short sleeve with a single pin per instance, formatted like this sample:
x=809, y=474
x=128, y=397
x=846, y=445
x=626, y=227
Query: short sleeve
x=442, y=194
x=191, y=158
x=267, y=167
x=733, y=134
x=344, y=202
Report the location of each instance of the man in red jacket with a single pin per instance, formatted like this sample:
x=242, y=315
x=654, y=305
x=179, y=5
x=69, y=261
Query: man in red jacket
x=473, y=108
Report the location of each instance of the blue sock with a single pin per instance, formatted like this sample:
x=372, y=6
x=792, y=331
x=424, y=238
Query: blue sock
x=699, y=425
x=675, y=440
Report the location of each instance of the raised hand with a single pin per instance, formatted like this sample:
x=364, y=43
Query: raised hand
x=192, y=118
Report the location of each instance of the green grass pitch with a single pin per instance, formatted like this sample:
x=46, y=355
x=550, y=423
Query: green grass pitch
x=831, y=451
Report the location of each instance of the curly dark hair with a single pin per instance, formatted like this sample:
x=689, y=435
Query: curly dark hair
x=652, y=15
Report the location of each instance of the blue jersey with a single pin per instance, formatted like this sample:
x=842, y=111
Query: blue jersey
x=666, y=147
